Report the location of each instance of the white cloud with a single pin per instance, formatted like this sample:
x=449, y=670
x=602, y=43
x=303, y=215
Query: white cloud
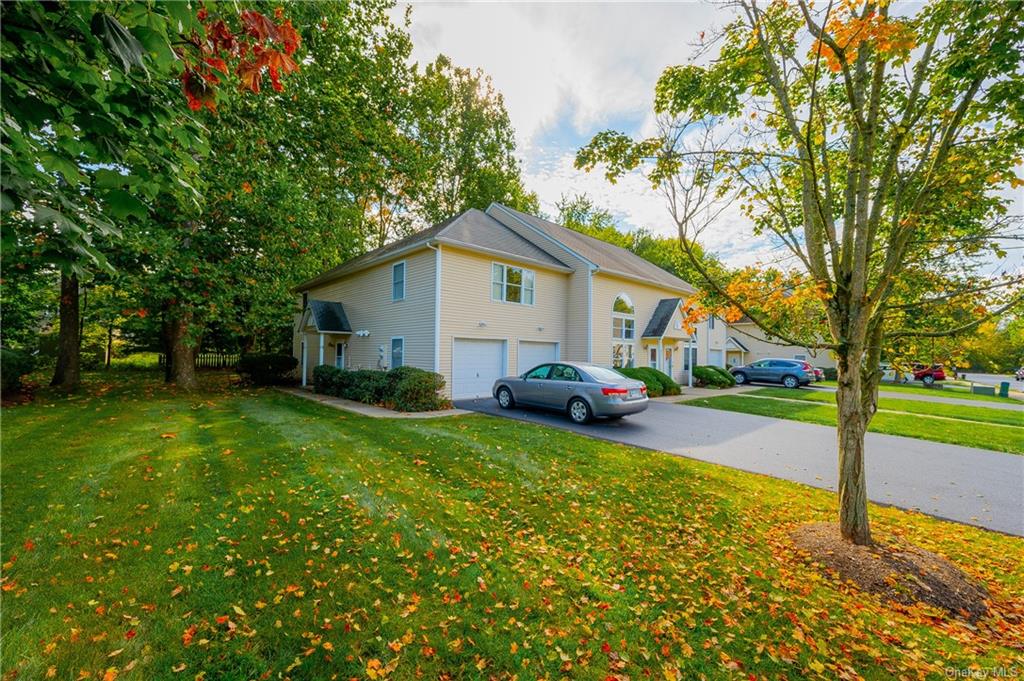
x=634, y=203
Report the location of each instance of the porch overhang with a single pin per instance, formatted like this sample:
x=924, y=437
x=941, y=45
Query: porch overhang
x=325, y=316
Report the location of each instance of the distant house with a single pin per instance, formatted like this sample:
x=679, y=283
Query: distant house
x=747, y=343
x=496, y=292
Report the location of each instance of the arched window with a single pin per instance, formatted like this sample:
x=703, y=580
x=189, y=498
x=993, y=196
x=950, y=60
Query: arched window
x=623, y=331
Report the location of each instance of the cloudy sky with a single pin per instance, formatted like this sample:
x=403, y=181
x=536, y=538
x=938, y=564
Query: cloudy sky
x=570, y=70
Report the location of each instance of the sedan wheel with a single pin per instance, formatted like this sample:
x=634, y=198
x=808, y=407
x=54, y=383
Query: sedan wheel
x=790, y=382
x=579, y=411
x=740, y=377
x=505, y=400
x=928, y=380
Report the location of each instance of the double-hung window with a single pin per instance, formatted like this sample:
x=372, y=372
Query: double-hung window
x=512, y=284
x=398, y=281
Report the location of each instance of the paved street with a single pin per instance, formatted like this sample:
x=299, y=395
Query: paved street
x=973, y=486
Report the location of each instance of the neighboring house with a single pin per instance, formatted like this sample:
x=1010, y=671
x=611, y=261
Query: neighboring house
x=748, y=343
x=488, y=294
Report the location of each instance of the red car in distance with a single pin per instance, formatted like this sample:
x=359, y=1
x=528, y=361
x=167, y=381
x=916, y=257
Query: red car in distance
x=929, y=374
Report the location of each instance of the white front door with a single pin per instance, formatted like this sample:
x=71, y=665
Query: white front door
x=715, y=358
x=476, y=364
x=532, y=353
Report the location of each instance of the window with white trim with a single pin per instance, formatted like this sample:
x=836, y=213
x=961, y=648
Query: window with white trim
x=512, y=284
x=398, y=281
x=711, y=322
x=397, y=352
x=339, y=355
x=623, y=332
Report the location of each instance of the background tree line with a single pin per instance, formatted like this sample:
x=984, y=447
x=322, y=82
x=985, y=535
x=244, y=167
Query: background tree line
x=164, y=188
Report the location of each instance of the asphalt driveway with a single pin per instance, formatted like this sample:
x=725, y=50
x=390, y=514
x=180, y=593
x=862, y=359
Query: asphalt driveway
x=968, y=485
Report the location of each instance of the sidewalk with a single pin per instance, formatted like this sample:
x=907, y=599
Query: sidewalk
x=368, y=409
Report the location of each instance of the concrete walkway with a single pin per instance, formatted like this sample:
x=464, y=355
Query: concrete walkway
x=370, y=410
x=973, y=486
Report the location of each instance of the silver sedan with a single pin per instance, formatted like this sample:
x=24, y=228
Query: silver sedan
x=583, y=391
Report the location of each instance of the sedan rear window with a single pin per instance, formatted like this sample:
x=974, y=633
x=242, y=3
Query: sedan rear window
x=604, y=375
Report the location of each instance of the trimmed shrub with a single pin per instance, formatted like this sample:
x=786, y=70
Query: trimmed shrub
x=13, y=365
x=417, y=390
x=831, y=373
x=658, y=383
x=325, y=379
x=707, y=376
x=369, y=386
x=402, y=388
x=654, y=388
x=729, y=378
x=266, y=369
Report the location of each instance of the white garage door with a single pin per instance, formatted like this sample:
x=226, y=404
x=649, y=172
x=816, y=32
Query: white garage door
x=475, y=366
x=532, y=353
x=715, y=358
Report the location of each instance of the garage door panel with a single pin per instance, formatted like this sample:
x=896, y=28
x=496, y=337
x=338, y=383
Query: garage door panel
x=476, y=364
x=532, y=353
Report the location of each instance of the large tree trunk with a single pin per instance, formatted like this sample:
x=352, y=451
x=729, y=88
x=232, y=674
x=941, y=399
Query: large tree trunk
x=182, y=356
x=68, y=373
x=853, y=418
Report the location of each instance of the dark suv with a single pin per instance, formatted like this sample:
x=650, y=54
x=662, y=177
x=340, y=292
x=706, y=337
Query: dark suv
x=791, y=373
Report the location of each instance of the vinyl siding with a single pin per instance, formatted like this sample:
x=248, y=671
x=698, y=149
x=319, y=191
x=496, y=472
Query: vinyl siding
x=750, y=335
x=466, y=302
x=366, y=296
x=645, y=299
x=577, y=290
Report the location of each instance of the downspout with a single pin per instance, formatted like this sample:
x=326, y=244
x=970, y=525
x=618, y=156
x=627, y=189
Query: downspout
x=437, y=306
x=590, y=314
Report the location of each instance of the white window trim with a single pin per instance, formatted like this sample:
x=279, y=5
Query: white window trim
x=504, y=283
x=405, y=279
x=339, y=350
x=391, y=354
x=624, y=316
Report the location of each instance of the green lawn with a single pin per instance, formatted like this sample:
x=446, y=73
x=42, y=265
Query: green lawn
x=957, y=393
x=954, y=411
x=813, y=410
x=250, y=534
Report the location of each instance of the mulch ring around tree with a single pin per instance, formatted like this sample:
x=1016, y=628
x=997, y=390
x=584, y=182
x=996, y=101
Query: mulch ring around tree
x=895, y=570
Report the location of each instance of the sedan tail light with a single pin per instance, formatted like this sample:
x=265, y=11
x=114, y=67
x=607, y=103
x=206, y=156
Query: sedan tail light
x=614, y=391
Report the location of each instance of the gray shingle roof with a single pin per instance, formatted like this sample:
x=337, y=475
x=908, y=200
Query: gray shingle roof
x=606, y=256
x=660, y=318
x=738, y=344
x=472, y=229
x=329, y=316
x=475, y=228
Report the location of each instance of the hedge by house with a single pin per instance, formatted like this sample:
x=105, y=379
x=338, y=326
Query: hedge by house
x=658, y=383
x=402, y=388
x=729, y=378
x=831, y=373
x=712, y=376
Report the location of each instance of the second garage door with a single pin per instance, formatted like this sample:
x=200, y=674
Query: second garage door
x=532, y=353
x=476, y=364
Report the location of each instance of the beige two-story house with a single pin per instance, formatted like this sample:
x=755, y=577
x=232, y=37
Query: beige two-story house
x=747, y=343
x=496, y=292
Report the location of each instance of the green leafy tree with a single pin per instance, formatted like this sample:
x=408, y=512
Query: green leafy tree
x=579, y=212
x=864, y=143
x=96, y=127
x=466, y=143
